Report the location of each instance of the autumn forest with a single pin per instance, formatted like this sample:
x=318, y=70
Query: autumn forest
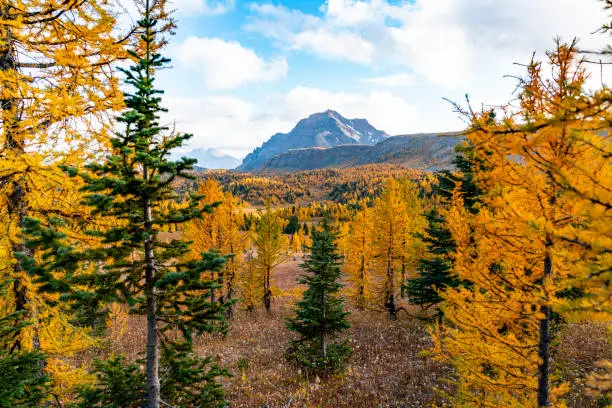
x=130, y=278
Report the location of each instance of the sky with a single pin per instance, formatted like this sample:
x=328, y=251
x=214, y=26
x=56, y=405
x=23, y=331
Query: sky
x=243, y=70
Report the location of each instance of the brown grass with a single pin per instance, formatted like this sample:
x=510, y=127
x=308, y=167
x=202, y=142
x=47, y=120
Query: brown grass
x=387, y=369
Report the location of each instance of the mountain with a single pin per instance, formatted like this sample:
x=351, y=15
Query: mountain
x=325, y=129
x=213, y=159
x=424, y=151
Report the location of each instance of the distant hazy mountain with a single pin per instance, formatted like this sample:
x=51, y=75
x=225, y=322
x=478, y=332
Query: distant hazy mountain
x=425, y=151
x=212, y=159
x=325, y=129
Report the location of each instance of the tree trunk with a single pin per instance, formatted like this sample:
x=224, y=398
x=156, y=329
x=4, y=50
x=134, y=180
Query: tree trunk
x=361, y=290
x=17, y=205
x=323, y=328
x=545, y=339
x=544, y=346
x=402, y=286
x=267, y=291
x=229, y=311
x=389, y=295
x=153, y=383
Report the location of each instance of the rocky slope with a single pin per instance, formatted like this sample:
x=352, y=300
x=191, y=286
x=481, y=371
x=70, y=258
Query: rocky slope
x=429, y=151
x=320, y=130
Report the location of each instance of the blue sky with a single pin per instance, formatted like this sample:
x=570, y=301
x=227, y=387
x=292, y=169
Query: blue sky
x=245, y=70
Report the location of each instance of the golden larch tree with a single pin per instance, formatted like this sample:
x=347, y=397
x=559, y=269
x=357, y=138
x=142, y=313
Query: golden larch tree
x=271, y=246
x=541, y=241
x=57, y=87
x=359, y=258
x=389, y=244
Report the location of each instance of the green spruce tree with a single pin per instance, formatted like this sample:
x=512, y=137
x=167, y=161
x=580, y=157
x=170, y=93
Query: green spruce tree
x=128, y=193
x=320, y=315
x=23, y=384
x=434, y=271
x=293, y=225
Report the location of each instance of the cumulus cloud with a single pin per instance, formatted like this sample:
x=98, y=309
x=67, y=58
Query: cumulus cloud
x=227, y=64
x=451, y=43
x=420, y=51
x=228, y=123
x=206, y=7
x=342, y=46
x=391, y=81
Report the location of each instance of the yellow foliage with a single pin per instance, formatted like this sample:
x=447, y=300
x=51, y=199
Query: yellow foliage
x=219, y=231
x=541, y=237
x=359, y=259
x=58, y=86
x=397, y=218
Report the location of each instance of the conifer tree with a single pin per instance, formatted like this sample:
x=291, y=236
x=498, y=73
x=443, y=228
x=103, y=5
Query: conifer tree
x=360, y=257
x=293, y=225
x=57, y=87
x=434, y=270
x=320, y=315
x=542, y=232
x=23, y=384
x=250, y=282
x=220, y=232
x=129, y=191
x=270, y=244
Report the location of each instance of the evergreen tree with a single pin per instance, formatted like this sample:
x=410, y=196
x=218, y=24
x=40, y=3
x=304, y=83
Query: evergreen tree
x=129, y=192
x=434, y=271
x=320, y=315
x=292, y=226
x=23, y=384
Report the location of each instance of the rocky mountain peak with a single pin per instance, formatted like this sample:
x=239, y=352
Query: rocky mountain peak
x=323, y=129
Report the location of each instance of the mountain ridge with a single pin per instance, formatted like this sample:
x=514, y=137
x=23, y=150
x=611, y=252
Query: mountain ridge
x=212, y=159
x=323, y=129
x=421, y=151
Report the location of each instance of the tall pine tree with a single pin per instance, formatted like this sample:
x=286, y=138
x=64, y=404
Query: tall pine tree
x=320, y=315
x=434, y=270
x=129, y=192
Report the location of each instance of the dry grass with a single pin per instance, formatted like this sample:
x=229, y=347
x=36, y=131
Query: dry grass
x=387, y=368
x=574, y=359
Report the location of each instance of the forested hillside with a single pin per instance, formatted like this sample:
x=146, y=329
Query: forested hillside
x=342, y=185
x=427, y=152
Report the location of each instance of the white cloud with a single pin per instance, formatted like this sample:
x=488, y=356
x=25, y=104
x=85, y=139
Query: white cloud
x=351, y=12
x=449, y=47
x=455, y=44
x=341, y=46
x=207, y=7
x=227, y=123
x=227, y=64
x=391, y=81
